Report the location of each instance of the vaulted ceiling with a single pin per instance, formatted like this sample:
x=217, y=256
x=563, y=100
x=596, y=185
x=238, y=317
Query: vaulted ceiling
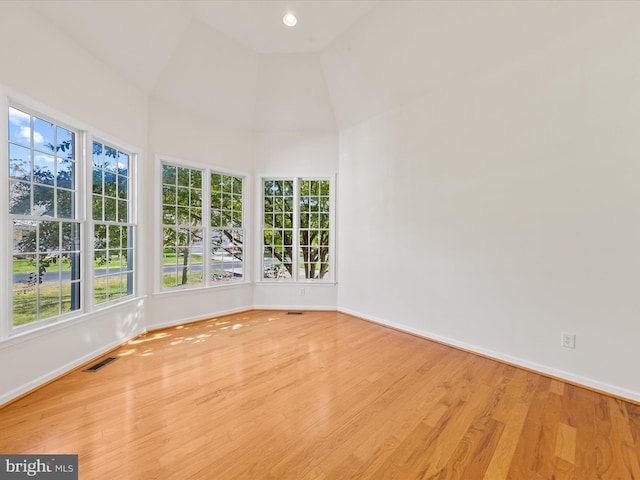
x=344, y=62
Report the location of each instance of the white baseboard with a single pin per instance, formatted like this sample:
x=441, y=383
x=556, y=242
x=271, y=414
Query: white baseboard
x=296, y=308
x=536, y=367
x=32, y=385
x=197, y=318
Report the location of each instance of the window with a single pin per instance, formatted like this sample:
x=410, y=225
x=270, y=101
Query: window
x=227, y=234
x=182, y=229
x=51, y=238
x=112, y=229
x=188, y=224
x=297, y=218
x=43, y=196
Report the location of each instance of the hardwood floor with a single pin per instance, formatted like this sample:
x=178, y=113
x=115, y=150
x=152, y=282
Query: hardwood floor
x=266, y=395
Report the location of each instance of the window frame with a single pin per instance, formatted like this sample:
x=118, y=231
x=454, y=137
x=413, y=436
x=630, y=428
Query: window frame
x=83, y=168
x=77, y=218
x=131, y=223
x=207, y=228
x=297, y=264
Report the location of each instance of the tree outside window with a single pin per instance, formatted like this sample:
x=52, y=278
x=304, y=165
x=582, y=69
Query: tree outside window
x=296, y=218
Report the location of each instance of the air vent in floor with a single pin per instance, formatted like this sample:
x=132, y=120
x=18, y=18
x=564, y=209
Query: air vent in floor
x=100, y=364
x=294, y=313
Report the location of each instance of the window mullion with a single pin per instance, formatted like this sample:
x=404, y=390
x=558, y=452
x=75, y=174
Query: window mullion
x=6, y=275
x=295, y=254
x=87, y=225
x=206, y=227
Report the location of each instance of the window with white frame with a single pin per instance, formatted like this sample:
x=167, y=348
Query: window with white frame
x=45, y=164
x=227, y=232
x=189, y=224
x=44, y=218
x=113, y=246
x=296, y=229
x=182, y=226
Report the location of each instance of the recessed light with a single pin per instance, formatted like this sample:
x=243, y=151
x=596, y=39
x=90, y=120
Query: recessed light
x=289, y=20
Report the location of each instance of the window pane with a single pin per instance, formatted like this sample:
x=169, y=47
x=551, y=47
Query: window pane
x=65, y=143
x=65, y=176
x=123, y=163
x=43, y=168
x=25, y=304
x=19, y=198
x=19, y=162
x=65, y=204
x=110, y=184
x=122, y=187
x=97, y=155
x=226, y=250
x=43, y=135
x=110, y=159
x=122, y=211
x=110, y=209
x=97, y=203
x=169, y=176
x=19, y=127
x=97, y=181
x=43, y=201
x=184, y=178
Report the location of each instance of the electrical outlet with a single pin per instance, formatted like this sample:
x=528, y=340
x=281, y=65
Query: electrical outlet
x=568, y=340
x=302, y=292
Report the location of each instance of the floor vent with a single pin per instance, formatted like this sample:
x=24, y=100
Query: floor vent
x=294, y=313
x=100, y=364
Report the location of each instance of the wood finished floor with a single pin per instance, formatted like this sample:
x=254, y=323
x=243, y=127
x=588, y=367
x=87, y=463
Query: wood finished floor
x=265, y=395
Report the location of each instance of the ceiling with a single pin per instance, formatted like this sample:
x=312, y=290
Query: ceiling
x=258, y=24
x=138, y=37
x=344, y=62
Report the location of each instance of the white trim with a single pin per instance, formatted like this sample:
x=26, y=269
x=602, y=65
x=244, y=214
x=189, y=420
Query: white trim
x=197, y=318
x=62, y=370
x=47, y=329
x=297, y=308
x=6, y=273
x=182, y=290
x=517, y=361
x=304, y=282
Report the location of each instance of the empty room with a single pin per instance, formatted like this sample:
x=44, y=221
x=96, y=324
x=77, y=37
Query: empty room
x=320, y=239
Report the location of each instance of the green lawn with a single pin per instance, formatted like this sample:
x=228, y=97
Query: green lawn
x=23, y=265
x=52, y=298
x=170, y=258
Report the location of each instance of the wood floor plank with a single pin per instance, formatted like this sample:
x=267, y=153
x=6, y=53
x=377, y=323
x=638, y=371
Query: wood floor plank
x=323, y=395
x=566, y=443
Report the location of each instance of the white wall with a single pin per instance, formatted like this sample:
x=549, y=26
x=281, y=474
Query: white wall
x=502, y=208
x=47, y=68
x=291, y=94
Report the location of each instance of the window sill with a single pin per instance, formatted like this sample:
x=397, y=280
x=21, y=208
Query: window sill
x=299, y=283
x=194, y=290
x=28, y=334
